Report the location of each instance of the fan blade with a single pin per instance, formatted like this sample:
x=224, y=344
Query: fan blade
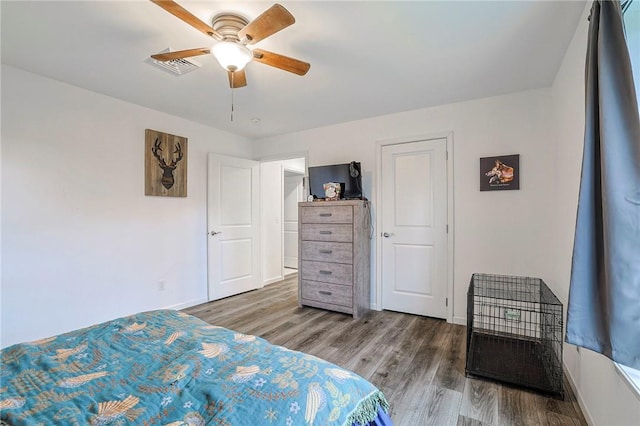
x=279, y=61
x=270, y=22
x=178, y=11
x=237, y=79
x=180, y=54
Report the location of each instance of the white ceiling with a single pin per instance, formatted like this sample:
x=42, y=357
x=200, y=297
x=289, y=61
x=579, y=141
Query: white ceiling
x=367, y=58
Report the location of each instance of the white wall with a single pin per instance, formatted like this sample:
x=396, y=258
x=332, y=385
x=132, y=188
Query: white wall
x=516, y=222
x=272, y=202
x=605, y=396
x=81, y=243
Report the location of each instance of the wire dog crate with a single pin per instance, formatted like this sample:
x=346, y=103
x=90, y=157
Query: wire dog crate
x=514, y=332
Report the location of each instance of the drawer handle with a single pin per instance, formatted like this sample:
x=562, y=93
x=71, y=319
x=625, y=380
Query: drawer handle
x=325, y=293
x=326, y=232
x=326, y=214
x=326, y=272
x=326, y=251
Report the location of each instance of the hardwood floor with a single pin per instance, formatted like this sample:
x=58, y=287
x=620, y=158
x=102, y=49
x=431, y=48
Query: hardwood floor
x=417, y=362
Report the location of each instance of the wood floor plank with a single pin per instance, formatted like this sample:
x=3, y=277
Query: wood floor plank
x=417, y=362
x=319, y=341
x=518, y=408
x=551, y=418
x=562, y=408
x=480, y=401
x=368, y=359
x=442, y=407
x=388, y=376
x=466, y=421
x=429, y=354
x=569, y=406
x=311, y=331
x=408, y=397
x=281, y=335
x=450, y=373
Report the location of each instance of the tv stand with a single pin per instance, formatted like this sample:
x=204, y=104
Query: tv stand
x=334, y=256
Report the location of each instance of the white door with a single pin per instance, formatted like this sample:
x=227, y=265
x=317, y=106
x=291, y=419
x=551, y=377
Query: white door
x=293, y=193
x=233, y=226
x=414, y=227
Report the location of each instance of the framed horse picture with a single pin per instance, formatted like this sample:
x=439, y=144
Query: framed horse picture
x=500, y=173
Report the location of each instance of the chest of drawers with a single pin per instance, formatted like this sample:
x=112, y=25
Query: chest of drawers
x=333, y=258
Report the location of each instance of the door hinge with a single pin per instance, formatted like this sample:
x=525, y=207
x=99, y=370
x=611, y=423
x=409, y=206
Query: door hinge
x=446, y=302
x=446, y=155
x=447, y=228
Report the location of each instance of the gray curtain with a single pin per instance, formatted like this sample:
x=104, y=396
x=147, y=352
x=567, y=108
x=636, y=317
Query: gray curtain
x=604, y=297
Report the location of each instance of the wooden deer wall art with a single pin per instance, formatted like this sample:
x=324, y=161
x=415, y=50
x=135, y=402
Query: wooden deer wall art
x=165, y=164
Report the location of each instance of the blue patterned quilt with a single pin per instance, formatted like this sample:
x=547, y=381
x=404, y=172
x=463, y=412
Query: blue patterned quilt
x=169, y=368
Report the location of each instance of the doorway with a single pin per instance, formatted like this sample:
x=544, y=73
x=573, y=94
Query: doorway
x=281, y=189
x=293, y=194
x=413, y=220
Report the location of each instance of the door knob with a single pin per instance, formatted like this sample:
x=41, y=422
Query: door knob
x=387, y=234
x=215, y=233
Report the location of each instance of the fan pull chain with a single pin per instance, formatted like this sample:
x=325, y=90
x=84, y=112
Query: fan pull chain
x=233, y=74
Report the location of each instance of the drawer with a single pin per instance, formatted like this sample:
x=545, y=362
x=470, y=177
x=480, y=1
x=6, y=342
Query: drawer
x=327, y=251
x=318, y=232
x=333, y=273
x=320, y=214
x=327, y=293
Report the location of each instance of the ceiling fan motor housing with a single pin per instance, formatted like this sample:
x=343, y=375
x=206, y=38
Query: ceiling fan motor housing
x=228, y=25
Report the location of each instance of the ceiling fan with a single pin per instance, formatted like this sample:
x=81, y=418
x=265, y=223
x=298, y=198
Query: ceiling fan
x=233, y=33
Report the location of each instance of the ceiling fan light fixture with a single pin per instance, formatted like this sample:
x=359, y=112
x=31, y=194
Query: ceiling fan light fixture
x=234, y=32
x=231, y=55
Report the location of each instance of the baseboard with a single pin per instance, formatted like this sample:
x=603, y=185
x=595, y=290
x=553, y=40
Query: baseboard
x=188, y=304
x=460, y=320
x=272, y=280
x=574, y=389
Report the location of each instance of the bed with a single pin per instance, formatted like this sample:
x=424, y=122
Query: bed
x=166, y=367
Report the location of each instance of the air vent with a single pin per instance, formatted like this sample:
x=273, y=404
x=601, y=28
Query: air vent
x=175, y=66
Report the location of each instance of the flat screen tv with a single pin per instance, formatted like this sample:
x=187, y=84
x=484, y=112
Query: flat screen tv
x=349, y=174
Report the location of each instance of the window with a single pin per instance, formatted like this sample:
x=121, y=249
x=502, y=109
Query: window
x=631, y=17
x=632, y=376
